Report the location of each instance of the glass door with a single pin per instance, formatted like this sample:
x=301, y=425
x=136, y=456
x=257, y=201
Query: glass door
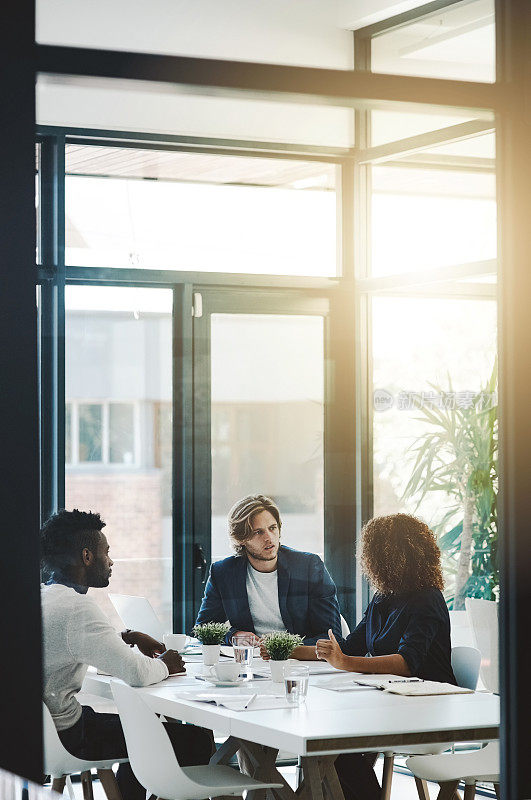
x=259, y=416
x=118, y=432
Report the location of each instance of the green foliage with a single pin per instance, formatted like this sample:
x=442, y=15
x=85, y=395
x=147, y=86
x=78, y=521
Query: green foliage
x=210, y=632
x=459, y=456
x=280, y=646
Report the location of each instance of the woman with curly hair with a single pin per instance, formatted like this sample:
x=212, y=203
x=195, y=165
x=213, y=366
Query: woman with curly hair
x=405, y=629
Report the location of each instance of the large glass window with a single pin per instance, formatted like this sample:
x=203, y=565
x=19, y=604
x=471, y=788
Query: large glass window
x=457, y=42
x=435, y=428
x=199, y=212
x=424, y=218
x=267, y=379
x=118, y=439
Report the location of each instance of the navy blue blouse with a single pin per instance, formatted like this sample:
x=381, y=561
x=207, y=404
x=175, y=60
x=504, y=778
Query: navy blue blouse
x=416, y=625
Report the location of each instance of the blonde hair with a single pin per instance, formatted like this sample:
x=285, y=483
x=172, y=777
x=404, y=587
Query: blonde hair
x=241, y=515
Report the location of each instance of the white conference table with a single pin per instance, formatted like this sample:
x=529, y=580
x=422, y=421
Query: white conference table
x=328, y=723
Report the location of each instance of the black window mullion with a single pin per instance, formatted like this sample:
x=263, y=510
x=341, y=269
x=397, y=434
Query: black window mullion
x=52, y=327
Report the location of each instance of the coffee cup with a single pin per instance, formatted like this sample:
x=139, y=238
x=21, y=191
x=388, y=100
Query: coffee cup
x=175, y=641
x=226, y=671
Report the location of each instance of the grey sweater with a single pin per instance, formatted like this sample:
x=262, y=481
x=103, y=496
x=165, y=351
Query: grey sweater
x=76, y=634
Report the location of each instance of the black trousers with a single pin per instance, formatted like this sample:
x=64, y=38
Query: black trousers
x=357, y=777
x=100, y=736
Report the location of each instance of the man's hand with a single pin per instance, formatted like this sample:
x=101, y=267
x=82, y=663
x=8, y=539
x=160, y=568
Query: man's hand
x=146, y=644
x=329, y=650
x=173, y=661
x=263, y=652
x=253, y=638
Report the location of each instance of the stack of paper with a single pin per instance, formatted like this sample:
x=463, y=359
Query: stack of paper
x=419, y=688
x=238, y=702
x=345, y=682
x=410, y=687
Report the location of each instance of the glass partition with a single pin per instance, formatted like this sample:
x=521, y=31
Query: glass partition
x=435, y=428
x=457, y=42
x=426, y=218
x=128, y=207
x=118, y=432
x=267, y=389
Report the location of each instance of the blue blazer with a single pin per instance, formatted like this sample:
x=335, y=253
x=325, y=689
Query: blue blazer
x=306, y=596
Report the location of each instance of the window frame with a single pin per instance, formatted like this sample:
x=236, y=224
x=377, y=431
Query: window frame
x=105, y=462
x=351, y=289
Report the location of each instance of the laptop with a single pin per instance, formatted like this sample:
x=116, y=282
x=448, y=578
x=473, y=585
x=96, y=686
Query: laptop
x=138, y=614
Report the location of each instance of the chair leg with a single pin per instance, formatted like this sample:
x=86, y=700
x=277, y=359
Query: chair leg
x=422, y=788
x=470, y=791
x=110, y=786
x=58, y=784
x=86, y=783
x=70, y=788
x=387, y=777
x=447, y=790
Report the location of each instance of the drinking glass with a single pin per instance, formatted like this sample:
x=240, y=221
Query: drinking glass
x=243, y=652
x=296, y=684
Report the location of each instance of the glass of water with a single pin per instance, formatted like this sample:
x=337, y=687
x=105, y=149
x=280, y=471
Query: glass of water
x=296, y=684
x=243, y=652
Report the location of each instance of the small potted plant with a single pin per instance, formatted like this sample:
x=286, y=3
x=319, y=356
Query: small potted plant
x=211, y=635
x=279, y=646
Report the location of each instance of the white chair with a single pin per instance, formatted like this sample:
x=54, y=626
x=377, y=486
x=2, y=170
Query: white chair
x=465, y=665
x=460, y=630
x=155, y=764
x=450, y=768
x=59, y=764
x=345, y=630
x=483, y=616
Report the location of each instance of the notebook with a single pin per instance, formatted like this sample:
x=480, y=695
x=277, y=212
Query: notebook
x=409, y=687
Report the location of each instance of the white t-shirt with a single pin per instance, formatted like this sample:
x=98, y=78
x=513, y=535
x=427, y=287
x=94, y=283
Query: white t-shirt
x=77, y=633
x=262, y=594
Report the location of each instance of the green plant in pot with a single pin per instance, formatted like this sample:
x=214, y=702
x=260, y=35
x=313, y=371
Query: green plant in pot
x=211, y=635
x=458, y=459
x=279, y=646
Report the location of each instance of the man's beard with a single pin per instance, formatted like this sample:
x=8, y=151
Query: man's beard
x=99, y=576
x=262, y=557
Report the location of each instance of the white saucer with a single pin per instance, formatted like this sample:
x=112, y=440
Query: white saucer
x=224, y=684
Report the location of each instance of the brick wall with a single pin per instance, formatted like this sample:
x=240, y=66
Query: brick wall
x=131, y=505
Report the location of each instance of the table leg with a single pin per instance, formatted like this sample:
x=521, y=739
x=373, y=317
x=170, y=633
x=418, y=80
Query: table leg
x=86, y=783
x=447, y=790
x=422, y=789
x=319, y=776
x=260, y=761
x=58, y=784
x=223, y=754
x=109, y=784
x=331, y=781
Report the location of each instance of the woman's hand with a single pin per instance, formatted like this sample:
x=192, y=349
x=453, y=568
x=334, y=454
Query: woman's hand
x=329, y=650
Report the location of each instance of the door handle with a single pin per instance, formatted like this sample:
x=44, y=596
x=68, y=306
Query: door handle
x=199, y=561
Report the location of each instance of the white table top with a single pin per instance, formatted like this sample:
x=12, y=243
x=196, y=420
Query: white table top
x=329, y=721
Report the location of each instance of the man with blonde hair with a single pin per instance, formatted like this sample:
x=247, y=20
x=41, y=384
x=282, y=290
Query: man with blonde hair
x=267, y=586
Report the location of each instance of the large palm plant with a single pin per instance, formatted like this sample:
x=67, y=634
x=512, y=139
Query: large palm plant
x=458, y=457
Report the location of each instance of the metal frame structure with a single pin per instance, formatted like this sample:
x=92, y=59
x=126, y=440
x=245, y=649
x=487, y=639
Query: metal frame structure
x=360, y=90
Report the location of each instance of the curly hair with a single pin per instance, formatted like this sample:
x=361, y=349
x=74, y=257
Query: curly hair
x=399, y=554
x=65, y=534
x=241, y=515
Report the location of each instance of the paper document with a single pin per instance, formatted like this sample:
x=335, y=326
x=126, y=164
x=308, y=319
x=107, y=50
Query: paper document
x=420, y=688
x=343, y=683
x=238, y=702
